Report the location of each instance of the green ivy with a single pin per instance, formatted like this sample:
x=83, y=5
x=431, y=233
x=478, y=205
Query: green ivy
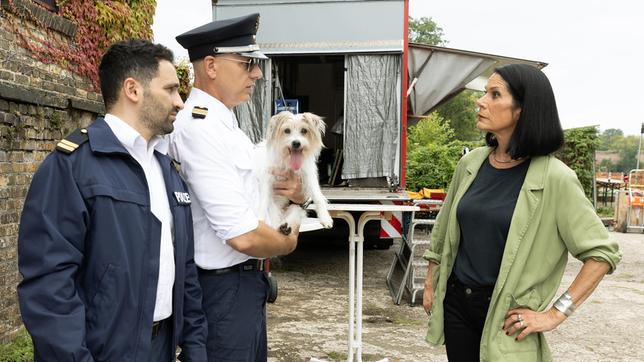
x=578, y=153
x=183, y=73
x=19, y=350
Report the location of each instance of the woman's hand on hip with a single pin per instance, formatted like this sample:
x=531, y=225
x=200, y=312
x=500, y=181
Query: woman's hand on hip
x=525, y=321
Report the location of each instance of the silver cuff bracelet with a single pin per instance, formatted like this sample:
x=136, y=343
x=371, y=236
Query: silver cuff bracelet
x=565, y=305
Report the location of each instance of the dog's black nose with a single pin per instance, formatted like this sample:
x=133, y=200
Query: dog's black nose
x=296, y=144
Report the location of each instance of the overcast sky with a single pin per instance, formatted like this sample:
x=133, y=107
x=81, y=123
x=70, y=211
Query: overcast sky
x=594, y=48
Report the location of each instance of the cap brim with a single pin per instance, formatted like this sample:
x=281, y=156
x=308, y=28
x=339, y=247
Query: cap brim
x=256, y=54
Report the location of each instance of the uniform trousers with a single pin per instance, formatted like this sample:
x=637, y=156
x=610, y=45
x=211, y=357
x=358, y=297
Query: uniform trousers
x=161, y=350
x=465, y=310
x=235, y=307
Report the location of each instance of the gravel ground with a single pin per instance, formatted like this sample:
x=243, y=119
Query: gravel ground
x=309, y=320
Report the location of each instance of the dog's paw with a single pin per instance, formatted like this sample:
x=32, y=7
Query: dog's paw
x=326, y=221
x=285, y=229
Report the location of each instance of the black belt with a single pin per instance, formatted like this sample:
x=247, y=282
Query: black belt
x=248, y=265
x=156, y=327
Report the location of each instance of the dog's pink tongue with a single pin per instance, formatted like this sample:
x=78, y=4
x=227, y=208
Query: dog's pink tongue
x=295, y=160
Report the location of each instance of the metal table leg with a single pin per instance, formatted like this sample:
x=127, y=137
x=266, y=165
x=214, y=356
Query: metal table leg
x=346, y=216
x=356, y=277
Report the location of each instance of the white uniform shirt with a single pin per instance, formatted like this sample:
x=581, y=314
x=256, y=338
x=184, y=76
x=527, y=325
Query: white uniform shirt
x=216, y=160
x=143, y=153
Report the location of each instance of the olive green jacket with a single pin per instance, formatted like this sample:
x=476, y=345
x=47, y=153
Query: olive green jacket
x=552, y=218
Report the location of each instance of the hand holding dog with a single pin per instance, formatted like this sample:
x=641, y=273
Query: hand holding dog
x=289, y=185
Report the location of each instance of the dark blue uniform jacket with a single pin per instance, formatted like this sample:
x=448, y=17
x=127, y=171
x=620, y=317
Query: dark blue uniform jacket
x=89, y=255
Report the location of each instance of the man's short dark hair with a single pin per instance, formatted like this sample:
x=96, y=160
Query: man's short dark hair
x=134, y=58
x=538, y=131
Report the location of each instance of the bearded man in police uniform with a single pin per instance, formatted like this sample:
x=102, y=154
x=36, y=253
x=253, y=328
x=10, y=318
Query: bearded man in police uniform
x=216, y=160
x=105, y=245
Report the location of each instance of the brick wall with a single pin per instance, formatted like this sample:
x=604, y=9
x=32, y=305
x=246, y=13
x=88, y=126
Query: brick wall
x=39, y=104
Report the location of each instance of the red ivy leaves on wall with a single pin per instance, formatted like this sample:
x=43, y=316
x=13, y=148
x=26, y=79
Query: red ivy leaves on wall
x=99, y=23
x=85, y=55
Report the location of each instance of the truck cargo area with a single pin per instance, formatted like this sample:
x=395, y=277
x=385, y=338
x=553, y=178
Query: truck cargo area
x=315, y=83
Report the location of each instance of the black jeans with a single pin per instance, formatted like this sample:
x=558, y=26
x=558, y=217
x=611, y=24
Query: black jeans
x=465, y=310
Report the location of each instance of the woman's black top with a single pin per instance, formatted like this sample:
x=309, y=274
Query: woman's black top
x=484, y=215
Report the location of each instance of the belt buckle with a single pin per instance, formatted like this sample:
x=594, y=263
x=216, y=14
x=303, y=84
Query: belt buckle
x=260, y=264
x=156, y=328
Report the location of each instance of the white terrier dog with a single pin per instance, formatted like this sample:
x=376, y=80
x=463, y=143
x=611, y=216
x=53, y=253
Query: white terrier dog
x=293, y=142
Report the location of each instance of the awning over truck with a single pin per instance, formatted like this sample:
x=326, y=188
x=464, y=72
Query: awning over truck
x=436, y=74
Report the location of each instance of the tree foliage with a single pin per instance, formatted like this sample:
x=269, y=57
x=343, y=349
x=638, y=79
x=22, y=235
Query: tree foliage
x=608, y=138
x=430, y=130
x=424, y=30
x=460, y=112
x=431, y=166
x=626, y=146
x=578, y=153
x=432, y=153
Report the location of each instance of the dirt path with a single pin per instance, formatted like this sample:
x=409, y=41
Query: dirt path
x=310, y=317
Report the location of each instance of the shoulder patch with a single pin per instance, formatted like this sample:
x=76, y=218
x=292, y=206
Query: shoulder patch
x=199, y=112
x=74, y=140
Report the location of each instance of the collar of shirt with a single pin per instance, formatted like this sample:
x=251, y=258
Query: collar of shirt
x=214, y=105
x=132, y=140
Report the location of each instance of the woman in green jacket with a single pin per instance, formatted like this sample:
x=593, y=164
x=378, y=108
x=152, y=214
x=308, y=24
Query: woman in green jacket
x=501, y=240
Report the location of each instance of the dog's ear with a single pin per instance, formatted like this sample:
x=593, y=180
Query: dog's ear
x=316, y=121
x=275, y=123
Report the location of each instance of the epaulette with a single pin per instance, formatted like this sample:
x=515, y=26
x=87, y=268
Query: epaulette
x=70, y=143
x=199, y=112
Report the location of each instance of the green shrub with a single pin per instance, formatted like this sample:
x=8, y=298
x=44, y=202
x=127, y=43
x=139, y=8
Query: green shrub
x=431, y=166
x=432, y=153
x=578, y=153
x=19, y=350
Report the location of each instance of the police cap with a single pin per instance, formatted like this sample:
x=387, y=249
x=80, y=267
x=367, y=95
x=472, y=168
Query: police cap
x=235, y=35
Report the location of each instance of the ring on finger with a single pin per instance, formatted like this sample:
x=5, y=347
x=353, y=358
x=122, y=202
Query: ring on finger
x=521, y=324
x=519, y=317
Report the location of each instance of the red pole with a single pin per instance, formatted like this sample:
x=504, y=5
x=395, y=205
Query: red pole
x=403, y=131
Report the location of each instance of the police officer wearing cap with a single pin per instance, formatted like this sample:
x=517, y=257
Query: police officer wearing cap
x=105, y=244
x=216, y=160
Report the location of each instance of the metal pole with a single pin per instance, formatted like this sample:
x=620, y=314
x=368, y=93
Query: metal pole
x=639, y=149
